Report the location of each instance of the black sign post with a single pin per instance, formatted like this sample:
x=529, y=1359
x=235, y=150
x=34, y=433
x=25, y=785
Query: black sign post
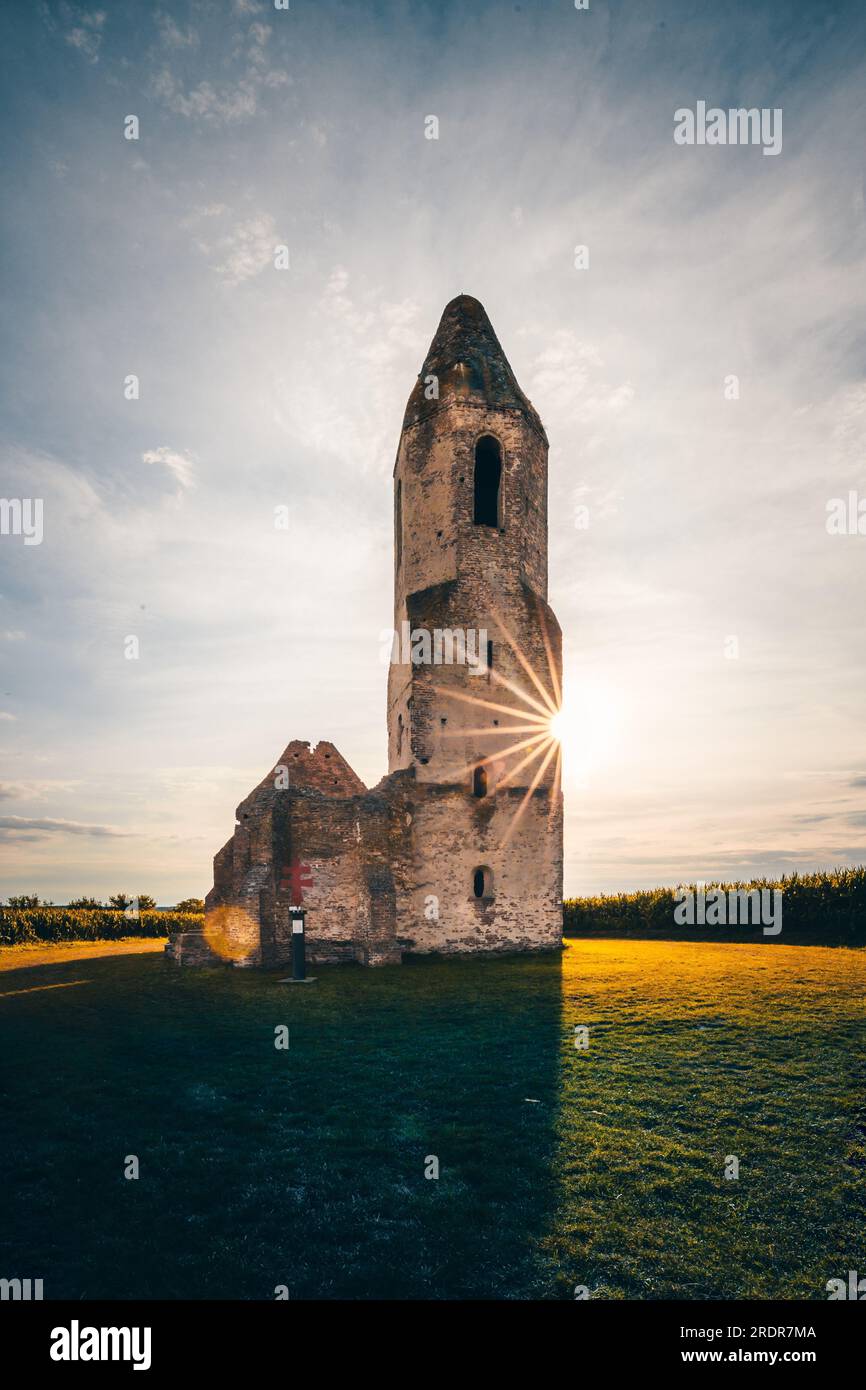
x=298, y=919
x=299, y=943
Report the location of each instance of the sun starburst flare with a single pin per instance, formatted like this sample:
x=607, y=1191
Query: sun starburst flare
x=538, y=716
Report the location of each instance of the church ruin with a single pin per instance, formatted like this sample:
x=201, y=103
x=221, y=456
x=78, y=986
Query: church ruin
x=459, y=847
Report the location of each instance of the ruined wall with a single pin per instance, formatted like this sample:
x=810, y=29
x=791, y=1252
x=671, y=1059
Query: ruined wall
x=524, y=912
x=317, y=839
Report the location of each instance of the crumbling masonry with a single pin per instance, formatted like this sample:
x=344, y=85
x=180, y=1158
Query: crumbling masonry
x=459, y=847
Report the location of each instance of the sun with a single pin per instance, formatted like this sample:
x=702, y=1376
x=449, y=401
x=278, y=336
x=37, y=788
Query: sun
x=557, y=726
x=587, y=726
x=582, y=729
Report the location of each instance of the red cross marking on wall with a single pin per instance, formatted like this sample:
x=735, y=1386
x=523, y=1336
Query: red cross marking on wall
x=295, y=878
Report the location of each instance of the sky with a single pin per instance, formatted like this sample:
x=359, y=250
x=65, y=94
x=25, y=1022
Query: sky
x=713, y=626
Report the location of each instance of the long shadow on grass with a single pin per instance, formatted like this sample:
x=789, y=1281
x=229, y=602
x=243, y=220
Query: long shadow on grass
x=261, y=1166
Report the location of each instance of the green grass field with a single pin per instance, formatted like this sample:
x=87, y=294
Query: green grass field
x=558, y=1167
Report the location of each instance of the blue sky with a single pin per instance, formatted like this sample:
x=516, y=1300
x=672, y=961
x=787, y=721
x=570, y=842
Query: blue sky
x=262, y=388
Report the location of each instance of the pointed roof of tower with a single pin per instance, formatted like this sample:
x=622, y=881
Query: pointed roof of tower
x=467, y=359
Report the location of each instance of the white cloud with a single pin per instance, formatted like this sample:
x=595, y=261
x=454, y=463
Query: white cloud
x=180, y=466
x=27, y=827
x=849, y=430
x=228, y=100
x=247, y=250
x=172, y=36
x=37, y=789
x=567, y=384
x=347, y=397
x=86, y=33
x=205, y=101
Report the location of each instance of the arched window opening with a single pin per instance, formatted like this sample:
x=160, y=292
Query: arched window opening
x=482, y=882
x=479, y=781
x=488, y=475
x=398, y=524
x=490, y=656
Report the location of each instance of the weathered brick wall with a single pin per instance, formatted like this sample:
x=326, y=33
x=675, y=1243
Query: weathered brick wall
x=445, y=729
x=325, y=835
x=525, y=912
x=474, y=573
x=345, y=844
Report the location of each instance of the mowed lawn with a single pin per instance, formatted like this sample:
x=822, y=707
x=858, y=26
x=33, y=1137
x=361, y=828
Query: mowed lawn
x=558, y=1167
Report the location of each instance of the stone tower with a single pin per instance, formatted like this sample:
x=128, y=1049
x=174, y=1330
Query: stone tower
x=470, y=564
x=459, y=848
